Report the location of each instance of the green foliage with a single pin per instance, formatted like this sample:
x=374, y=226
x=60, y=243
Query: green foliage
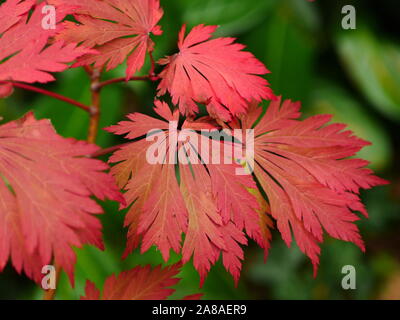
x=374, y=66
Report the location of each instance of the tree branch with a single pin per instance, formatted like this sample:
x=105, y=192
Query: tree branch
x=123, y=79
x=153, y=65
x=48, y=93
x=95, y=106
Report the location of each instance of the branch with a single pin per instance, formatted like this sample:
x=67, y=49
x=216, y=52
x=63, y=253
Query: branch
x=48, y=93
x=95, y=107
x=123, y=79
x=153, y=65
x=88, y=70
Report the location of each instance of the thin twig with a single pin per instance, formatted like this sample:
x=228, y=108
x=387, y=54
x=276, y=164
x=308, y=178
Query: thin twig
x=153, y=65
x=95, y=107
x=123, y=79
x=48, y=93
x=88, y=70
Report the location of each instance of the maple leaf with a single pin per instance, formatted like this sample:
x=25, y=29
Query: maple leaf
x=305, y=170
x=25, y=51
x=139, y=283
x=46, y=184
x=12, y=11
x=117, y=29
x=303, y=167
x=210, y=204
x=213, y=72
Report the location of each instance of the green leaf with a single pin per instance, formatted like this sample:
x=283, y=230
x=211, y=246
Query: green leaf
x=287, y=50
x=234, y=16
x=374, y=66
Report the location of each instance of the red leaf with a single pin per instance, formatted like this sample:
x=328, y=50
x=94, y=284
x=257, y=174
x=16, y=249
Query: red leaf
x=204, y=236
x=46, y=184
x=140, y=283
x=24, y=51
x=304, y=169
x=117, y=29
x=302, y=166
x=214, y=72
x=12, y=11
x=91, y=292
x=210, y=204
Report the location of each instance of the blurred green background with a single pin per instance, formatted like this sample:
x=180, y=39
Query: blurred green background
x=353, y=74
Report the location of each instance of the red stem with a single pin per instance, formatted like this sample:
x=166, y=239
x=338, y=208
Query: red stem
x=153, y=65
x=48, y=93
x=88, y=69
x=122, y=79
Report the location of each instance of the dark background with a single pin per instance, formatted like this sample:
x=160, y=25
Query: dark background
x=353, y=74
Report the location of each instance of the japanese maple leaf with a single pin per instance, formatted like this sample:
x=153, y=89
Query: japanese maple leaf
x=117, y=29
x=25, y=52
x=311, y=183
x=210, y=204
x=140, y=283
x=303, y=168
x=213, y=72
x=12, y=11
x=46, y=185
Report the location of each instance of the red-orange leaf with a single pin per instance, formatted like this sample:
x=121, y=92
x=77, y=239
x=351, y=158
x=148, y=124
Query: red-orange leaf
x=46, y=184
x=213, y=72
x=303, y=168
x=24, y=50
x=310, y=182
x=12, y=11
x=117, y=29
x=209, y=203
x=140, y=283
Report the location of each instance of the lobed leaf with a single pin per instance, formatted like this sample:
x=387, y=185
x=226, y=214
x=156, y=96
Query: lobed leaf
x=46, y=188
